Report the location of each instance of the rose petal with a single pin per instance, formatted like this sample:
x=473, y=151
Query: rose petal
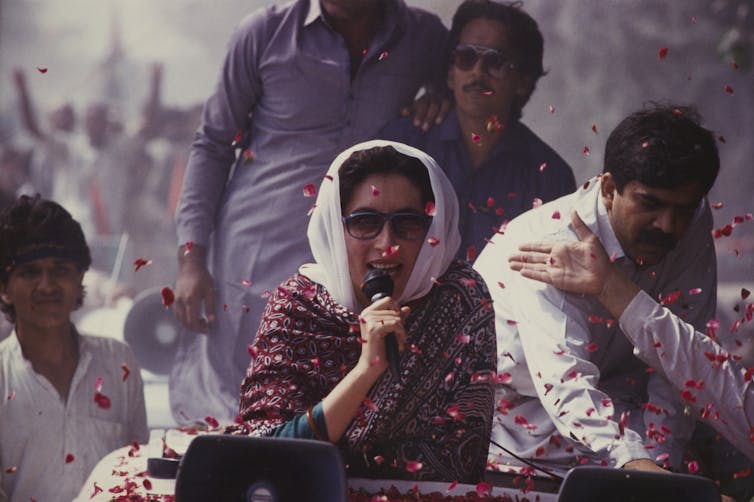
x=168, y=297
x=310, y=190
x=413, y=466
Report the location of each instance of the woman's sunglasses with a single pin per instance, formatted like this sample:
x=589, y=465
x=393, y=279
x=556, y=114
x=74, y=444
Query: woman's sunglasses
x=406, y=225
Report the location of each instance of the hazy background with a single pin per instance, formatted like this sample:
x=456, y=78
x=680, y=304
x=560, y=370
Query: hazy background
x=602, y=58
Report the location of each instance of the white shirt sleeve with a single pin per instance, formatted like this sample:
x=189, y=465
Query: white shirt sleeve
x=555, y=337
x=696, y=365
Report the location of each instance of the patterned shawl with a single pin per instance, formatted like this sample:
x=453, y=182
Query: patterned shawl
x=431, y=424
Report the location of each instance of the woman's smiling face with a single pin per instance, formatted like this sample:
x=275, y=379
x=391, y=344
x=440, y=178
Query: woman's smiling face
x=385, y=193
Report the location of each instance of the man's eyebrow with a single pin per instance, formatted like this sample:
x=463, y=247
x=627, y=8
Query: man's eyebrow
x=647, y=197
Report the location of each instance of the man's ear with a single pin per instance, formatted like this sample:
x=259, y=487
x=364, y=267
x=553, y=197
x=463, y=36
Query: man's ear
x=3, y=293
x=608, y=189
x=525, y=87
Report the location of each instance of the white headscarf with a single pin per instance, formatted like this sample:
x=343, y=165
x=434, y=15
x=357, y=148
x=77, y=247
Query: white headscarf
x=328, y=244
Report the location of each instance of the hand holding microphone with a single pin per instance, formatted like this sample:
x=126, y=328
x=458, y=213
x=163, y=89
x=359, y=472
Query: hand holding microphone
x=383, y=317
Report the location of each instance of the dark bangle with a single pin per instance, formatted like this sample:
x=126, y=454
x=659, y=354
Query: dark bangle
x=312, y=425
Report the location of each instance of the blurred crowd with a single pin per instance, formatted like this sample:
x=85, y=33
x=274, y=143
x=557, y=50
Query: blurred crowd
x=121, y=180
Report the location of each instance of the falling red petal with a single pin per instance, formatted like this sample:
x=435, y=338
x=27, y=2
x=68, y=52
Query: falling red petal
x=695, y=291
x=211, y=421
x=471, y=253
x=168, y=297
x=429, y=209
x=310, y=190
x=728, y=89
x=102, y=400
x=556, y=215
x=383, y=55
x=41, y=70
x=662, y=53
x=475, y=138
x=536, y=202
x=585, y=151
x=745, y=293
x=493, y=124
x=141, y=262
x=592, y=347
x=433, y=241
x=742, y=473
x=248, y=156
x=236, y=139
x=391, y=251
x=413, y=466
x=69, y=458
x=551, y=108
x=375, y=191
x=126, y=371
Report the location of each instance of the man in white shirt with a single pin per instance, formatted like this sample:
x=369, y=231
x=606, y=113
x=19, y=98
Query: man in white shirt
x=67, y=399
x=722, y=392
x=570, y=391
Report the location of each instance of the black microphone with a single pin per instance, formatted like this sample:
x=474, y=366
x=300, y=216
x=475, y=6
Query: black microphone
x=378, y=284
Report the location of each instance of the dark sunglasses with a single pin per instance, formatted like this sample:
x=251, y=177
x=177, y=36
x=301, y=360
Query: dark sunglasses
x=494, y=61
x=406, y=225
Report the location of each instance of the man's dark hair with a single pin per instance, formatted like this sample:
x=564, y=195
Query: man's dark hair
x=662, y=146
x=524, y=38
x=32, y=225
x=382, y=160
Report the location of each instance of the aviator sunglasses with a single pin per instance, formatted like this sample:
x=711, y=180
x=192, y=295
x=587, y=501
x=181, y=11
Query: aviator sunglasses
x=406, y=225
x=494, y=61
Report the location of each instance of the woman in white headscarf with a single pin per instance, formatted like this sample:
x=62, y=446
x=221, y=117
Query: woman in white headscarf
x=319, y=368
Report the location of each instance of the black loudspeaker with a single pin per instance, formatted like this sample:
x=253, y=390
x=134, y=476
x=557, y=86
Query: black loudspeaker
x=600, y=484
x=226, y=468
x=152, y=332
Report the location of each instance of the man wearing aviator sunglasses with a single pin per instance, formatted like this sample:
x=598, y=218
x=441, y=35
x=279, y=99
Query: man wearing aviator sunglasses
x=494, y=62
x=497, y=165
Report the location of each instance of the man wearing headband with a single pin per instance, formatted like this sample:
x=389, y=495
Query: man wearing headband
x=497, y=165
x=67, y=399
x=575, y=393
x=301, y=82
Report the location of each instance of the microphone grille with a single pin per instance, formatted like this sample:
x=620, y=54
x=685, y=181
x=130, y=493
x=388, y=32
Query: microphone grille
x=377, y=281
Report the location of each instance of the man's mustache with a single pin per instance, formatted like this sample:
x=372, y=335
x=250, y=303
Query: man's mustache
x=656, y=238
x=476, y=85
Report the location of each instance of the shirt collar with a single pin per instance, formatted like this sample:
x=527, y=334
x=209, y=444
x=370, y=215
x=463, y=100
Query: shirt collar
x=315, y=11
x=395, y=15
x=592, y=210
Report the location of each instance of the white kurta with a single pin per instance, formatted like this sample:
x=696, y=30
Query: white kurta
x=48, y=446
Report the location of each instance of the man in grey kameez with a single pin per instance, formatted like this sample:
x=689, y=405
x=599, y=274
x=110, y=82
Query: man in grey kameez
x=304, y=82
